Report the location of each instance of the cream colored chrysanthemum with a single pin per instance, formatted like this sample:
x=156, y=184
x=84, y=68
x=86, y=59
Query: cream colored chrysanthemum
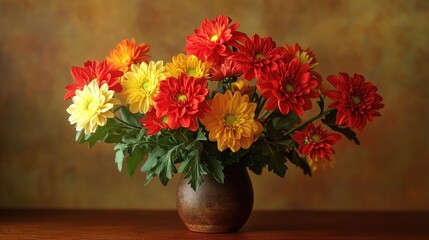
x=189, y=65
x=91, y=107
x=141, y=85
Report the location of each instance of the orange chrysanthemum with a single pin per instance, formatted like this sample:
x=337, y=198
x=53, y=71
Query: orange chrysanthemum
x=127, y=53
x=231, y=121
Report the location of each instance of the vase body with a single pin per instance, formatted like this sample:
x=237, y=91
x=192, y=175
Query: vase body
x=216, y=207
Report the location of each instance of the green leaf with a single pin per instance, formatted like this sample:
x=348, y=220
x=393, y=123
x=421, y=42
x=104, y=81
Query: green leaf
x=113, y=138
x=350, y=134
x=192, y=168
x=285, y=122
x=288, y=143
x=119, y=158
x=120, y=154
x=79, y=137
x=134, y=159
x=166, y=142
x=99, y=135
x=166, y=168
x=330, y=121
x=129, y=117
x=201, y=136
x=216, y=168
x=277, y=161
x=87, y=136
x=299, y=162
x=321, y=104
x=255, y=159
x=149, y=167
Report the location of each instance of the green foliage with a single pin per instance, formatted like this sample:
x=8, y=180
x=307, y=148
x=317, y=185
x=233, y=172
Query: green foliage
x=193, y=156
x=181, y=147
x=294, y=158
x=329, y=120
x=275, y=147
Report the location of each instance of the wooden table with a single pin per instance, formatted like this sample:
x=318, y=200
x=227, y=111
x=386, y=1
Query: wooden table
x=140, y=224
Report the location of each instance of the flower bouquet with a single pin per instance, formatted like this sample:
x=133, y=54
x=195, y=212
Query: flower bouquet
x=169, y=121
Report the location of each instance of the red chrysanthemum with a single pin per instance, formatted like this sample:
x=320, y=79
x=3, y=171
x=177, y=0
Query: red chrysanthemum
x=213, y=40
x=289, y=89
x=257, y=56
x=305, y=56
x=225, y=70
x=103, y=72
x=355, y=100
x=183, y=100
x=316, y=142
x=153, y=123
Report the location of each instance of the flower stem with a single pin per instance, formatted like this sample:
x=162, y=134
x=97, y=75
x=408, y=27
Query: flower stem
x=126, y=124
x=264, y=114
x=270, y=116
x=260, y=105
x=309, y=121
x=252, y=96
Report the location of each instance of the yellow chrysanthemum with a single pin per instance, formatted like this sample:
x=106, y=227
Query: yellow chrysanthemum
x=91, y=107
x=231, y=121
x=189, y=65
x=320, y=163
x=242, y=86
x=141, y=85
x=305, y=58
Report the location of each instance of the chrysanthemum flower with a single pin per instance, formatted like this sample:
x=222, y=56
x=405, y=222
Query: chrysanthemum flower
x=305, y=57
x=225, y=70
x=289, y=89
x=231, y=121
x=91, y=107
x=213, y=40
x=316, y=143
x=141, y=85
x=242, y=87
x=356, y=100
x=127, y=53
x=103, y=72
x=257, y=56
x=153, y=123
x=320, y=164
x=182, y=100
x=189, y=65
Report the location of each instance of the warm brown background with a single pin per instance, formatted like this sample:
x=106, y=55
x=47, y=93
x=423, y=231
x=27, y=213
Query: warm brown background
x=42, y=167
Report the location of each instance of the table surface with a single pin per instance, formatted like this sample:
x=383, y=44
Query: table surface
x=143, y=224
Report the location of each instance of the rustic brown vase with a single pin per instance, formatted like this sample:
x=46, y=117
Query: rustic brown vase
x=216, y=207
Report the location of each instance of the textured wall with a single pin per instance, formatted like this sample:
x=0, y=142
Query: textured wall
x=41, y=166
